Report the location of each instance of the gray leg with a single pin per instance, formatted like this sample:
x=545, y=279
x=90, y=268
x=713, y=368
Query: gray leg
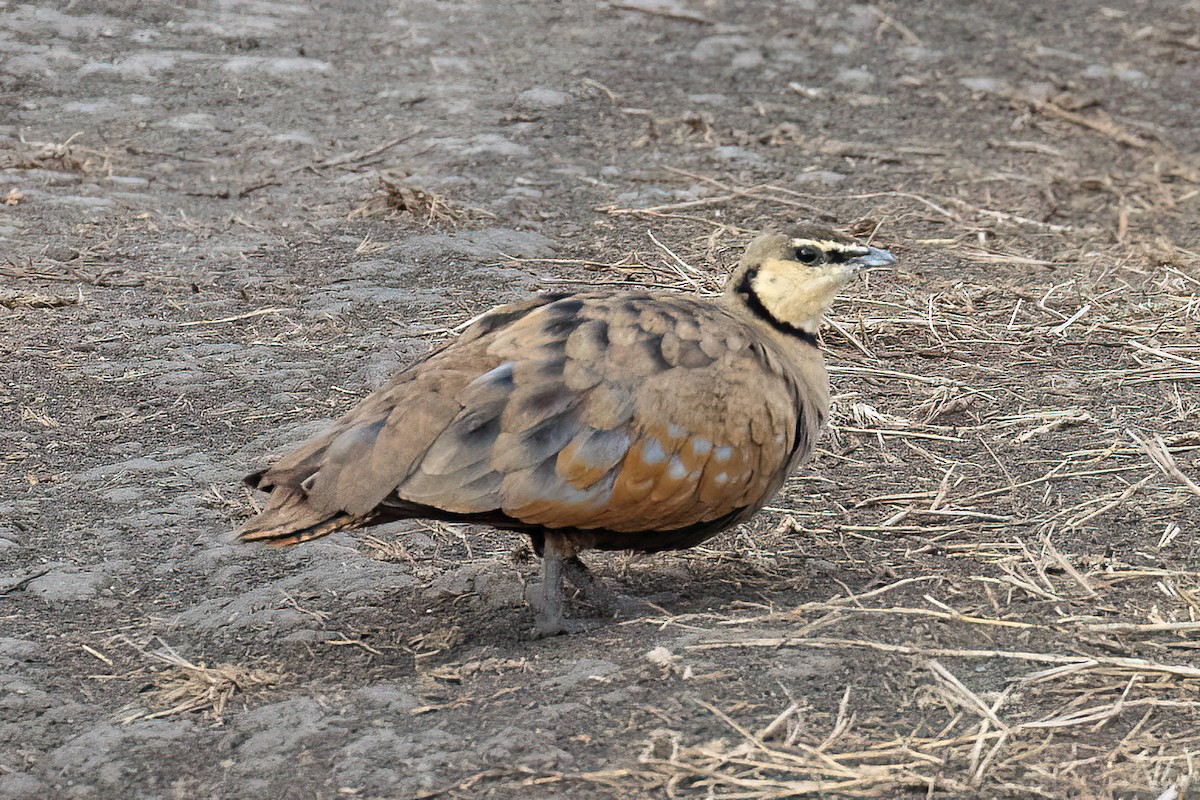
x=558, y=558
x=550, y=615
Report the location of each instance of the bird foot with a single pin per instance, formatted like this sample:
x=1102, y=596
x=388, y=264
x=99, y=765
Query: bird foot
x=593, y=591
x=544, y=627
x=660, y=598
x=620, y=605
x=547, y=598
x=606, y=604
x=548, y=616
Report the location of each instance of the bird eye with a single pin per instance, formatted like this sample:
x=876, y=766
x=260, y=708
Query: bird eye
x=808, y=255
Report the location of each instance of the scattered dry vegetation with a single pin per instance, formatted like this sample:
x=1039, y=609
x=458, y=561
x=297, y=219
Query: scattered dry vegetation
x=63, y=156
x=177, y=686
x=18, y=298
x=1016, y=444
x=395, y=197
x=1010, y=479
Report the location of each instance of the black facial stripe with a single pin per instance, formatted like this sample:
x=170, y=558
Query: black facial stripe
x=745, y=288
x=842, y=256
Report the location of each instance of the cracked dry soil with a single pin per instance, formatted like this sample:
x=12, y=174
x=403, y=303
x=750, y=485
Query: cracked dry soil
x=223, y=222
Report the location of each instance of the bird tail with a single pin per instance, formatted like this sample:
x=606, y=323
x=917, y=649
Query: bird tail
x=289, y=518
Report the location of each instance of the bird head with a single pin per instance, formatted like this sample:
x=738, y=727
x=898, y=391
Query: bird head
x=792, y=277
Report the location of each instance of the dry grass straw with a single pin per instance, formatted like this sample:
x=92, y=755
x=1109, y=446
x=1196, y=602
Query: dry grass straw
x=20, y=298
x=1096, y=708
x=65, y=156
x=1016, y=440
x=179, y=686
x=1113, y=723
x=1025, y=740
x=395, y=197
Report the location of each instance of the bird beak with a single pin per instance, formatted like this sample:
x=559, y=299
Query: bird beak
x=874, y=258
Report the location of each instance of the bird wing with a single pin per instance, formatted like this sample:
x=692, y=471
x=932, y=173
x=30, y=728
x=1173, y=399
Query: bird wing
x=623, y=413
x=627, y=413
x=354, y=464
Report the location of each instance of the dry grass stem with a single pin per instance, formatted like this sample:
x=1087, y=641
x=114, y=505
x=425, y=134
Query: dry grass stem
x=184, y=687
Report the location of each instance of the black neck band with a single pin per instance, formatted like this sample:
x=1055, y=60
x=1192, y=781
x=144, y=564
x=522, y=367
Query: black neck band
x=745, y=288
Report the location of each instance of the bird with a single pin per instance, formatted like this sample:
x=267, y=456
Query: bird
x=615, y=420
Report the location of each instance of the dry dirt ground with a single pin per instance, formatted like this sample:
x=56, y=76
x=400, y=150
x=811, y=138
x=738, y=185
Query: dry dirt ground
x=223, y=222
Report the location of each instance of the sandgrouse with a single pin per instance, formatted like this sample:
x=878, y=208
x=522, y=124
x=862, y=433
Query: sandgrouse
x=618, y=420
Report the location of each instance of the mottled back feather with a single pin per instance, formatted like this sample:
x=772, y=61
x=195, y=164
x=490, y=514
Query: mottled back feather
x=630, y=420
